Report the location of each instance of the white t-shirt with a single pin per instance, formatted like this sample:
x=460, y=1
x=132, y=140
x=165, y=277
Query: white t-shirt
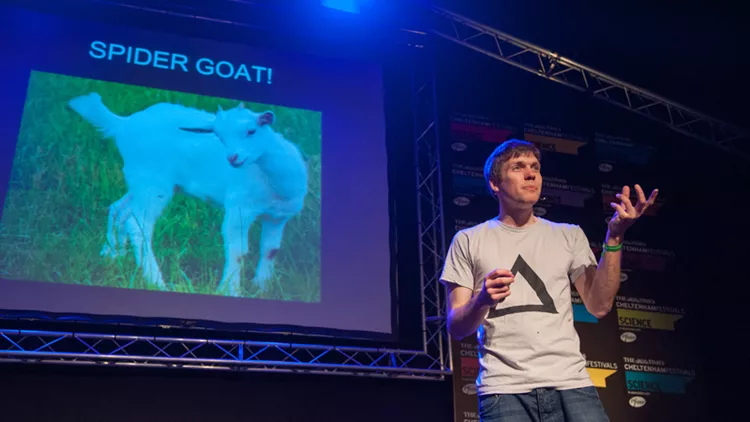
x=528, y=341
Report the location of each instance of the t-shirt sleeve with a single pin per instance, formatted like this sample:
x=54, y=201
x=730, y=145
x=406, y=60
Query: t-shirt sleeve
x=458, y=267
x=583, y=256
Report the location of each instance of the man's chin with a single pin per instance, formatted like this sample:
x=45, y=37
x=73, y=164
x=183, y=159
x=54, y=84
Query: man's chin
x=524, y=202
x=525, y=205
x=530, y=201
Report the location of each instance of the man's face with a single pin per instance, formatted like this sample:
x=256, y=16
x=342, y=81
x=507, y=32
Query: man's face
x=521, y=183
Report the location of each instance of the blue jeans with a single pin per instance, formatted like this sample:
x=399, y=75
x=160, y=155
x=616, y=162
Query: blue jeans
x=543, y=405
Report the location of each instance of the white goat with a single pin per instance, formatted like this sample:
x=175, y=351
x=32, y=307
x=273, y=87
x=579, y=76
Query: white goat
x=256, y=173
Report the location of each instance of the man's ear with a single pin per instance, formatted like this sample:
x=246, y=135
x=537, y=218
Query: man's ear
x=494, y=187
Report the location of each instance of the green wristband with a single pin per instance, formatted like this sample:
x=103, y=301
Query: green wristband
x=607, y=248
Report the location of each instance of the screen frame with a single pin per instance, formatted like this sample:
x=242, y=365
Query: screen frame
x=397, y=60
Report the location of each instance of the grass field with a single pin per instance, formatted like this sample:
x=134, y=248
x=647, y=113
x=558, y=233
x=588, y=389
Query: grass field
x=65, y=176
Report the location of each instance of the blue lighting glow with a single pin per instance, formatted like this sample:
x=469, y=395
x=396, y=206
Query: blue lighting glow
x=351, y=6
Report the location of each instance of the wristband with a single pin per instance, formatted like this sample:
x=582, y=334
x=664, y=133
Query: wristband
x=607, y=248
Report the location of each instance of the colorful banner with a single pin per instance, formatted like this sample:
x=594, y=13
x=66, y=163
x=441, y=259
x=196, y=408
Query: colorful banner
x=638, y=356
x=465, y=360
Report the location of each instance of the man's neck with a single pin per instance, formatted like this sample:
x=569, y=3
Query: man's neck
x=516, y=217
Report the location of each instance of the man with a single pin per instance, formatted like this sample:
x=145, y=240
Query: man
x=531, y=366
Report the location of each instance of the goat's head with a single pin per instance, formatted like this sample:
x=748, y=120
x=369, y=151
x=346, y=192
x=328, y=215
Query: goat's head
x=244, y=133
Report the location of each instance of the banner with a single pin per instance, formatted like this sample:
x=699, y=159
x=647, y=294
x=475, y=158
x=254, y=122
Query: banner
x=638, y=355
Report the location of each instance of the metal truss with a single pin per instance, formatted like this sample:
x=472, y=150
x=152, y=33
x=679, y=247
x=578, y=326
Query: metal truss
x=431, y=221
x=123, y=350
x=432, y=362
x=552, y=66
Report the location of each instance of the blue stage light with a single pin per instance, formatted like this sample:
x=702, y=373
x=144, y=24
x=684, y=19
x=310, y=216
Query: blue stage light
x=351, y=6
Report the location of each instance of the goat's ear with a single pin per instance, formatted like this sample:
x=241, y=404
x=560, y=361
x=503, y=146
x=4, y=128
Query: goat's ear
x=197, y=129
x=266, y=118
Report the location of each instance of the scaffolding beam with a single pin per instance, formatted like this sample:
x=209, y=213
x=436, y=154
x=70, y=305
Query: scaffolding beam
x=28, y=346
x=549, y=65
x=430, y=216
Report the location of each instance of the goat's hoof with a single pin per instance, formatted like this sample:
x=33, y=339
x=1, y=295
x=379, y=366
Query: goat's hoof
x=228, y=289
x=109, y=252
x=261, y=283
x=230, y=293
x=157, y=285
x=261, y=278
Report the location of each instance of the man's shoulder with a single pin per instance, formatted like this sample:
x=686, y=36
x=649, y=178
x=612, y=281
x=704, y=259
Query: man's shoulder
x=558, y=225
x=476, y=229
x=569, y=234
x=492, y=225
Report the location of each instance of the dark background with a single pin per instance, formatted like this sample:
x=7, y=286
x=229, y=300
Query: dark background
x=689, y=52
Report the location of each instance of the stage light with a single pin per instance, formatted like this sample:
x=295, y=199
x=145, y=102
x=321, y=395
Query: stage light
x=351, y=6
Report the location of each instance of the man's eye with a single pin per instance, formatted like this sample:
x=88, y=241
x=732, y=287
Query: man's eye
x=251, y=132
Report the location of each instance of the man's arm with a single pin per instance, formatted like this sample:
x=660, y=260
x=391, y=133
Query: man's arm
x=467, y=310
x=465, y=313
x=598, y=285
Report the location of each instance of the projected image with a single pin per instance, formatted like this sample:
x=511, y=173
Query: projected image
x=130, y=187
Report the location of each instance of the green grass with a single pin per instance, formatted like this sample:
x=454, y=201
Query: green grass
x=65, y=176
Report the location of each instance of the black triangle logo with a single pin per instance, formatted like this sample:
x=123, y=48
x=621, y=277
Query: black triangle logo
x=536, y=283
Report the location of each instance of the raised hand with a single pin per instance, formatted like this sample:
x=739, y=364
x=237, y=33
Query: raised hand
x=625, y=213
x=496, y=287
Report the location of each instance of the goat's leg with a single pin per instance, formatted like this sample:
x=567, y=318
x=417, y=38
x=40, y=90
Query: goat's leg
x=146, y=207
x=117, y=234
x=271, y=235
x=235, y=229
